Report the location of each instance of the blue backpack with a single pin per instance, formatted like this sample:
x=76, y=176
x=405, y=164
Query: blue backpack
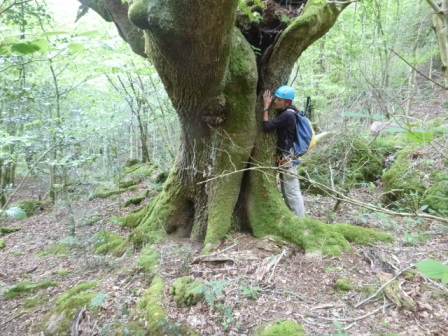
x=305, y=137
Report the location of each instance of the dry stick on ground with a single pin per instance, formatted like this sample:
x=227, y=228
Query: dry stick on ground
x=352, y=319
x=383, y=286
x=208, y=257
x=276, y=263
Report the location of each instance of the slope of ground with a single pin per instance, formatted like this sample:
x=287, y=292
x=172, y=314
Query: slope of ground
x=256, y=281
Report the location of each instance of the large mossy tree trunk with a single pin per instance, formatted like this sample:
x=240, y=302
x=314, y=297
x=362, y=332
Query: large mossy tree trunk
x=223, y=173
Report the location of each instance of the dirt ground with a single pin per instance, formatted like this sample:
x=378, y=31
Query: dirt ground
x=256, y=281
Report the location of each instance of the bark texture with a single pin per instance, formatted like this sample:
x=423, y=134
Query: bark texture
x=214, y=79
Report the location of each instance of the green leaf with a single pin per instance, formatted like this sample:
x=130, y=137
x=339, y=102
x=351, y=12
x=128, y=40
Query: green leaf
x=16, y=212
x=445, y=277
x=378, y=117
x=25, y=48
x=42, y=44
x=76, y=47
x=395, y=130
x=419, y=137
x=357, y=115
x=433, y=269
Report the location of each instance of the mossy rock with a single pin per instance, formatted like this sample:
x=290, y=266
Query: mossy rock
x=415, y=180
x=132, y=162
x=161, y=177
x=280, y=328
x=135, y=200
x=24, y=288
x=350, y=159
x=30, y=206
x=186, y=291
x=106, y=242
x=66, y=305
x=343, y=284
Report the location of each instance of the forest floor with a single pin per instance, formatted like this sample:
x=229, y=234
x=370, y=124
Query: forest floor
x=298, y=287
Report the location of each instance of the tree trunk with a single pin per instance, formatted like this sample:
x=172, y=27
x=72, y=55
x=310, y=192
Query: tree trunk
x=224, y=173
x=440, y=24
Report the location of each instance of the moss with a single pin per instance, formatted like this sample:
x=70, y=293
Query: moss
x=6, y=230
x=280, y=328
x=63, y=272
x=368, y=289
x=132, y=162
x=27, y=287
x=408, y=183
x=130, y=176
x=38, y=300
x=29, y=206
x=343, y=284
x=161, y=177
x=148, y=259
x=135, y=200
x=138, y=13
x=58, y=248
x=106, y=193
x=274, y=218
x=68, y=303
x=150, y=304
x=109, y=242
x=2, y=244
x=185, y=291
x=409, y=275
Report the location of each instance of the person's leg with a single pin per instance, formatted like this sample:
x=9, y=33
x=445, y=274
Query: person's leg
x=291, y=191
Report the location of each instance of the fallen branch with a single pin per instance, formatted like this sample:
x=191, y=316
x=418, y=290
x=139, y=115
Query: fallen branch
x=353, y=319
x=383, y=286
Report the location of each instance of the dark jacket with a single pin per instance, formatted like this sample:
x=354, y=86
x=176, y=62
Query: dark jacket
x=284, y=123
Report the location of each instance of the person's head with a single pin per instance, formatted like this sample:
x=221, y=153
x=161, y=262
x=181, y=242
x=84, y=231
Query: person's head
x=283, y=97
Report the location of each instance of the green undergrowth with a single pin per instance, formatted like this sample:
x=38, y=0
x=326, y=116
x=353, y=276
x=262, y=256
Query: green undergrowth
x=280, y=328
x=55, y=249
x=2, y=244
x=340, y=161
x=108, y=242
x=417, y=181
x=25, y=288
x=134, y=174
x=30, y=206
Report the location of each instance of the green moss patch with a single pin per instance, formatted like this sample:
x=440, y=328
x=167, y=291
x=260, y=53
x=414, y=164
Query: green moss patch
x=185, y=291
x=148, y=259
x=106, y=242
x=280, y=328
x=130, y=176
x=58, y=248
x=6, y=230
x=150, y=304
x=68, y=303
x=135, y=200
x=343, y=284
x=26, y=288
x=417, y=181
x=106, y=193
x=35, y=301
x=2, y=244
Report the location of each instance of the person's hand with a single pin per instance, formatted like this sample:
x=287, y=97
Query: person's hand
x=267, y=99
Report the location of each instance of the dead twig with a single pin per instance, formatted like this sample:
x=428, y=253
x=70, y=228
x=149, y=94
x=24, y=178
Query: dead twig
x=352, y=319
x=383, y=286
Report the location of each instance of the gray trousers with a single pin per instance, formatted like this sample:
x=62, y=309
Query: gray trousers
x=291, y=190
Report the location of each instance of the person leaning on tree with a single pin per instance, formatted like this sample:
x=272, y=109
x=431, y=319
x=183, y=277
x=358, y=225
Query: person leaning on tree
x=284, y=123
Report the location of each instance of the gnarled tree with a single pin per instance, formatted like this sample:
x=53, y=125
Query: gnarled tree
x=215, y=61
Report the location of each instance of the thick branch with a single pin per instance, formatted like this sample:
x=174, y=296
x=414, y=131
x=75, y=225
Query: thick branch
x=317, y=18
